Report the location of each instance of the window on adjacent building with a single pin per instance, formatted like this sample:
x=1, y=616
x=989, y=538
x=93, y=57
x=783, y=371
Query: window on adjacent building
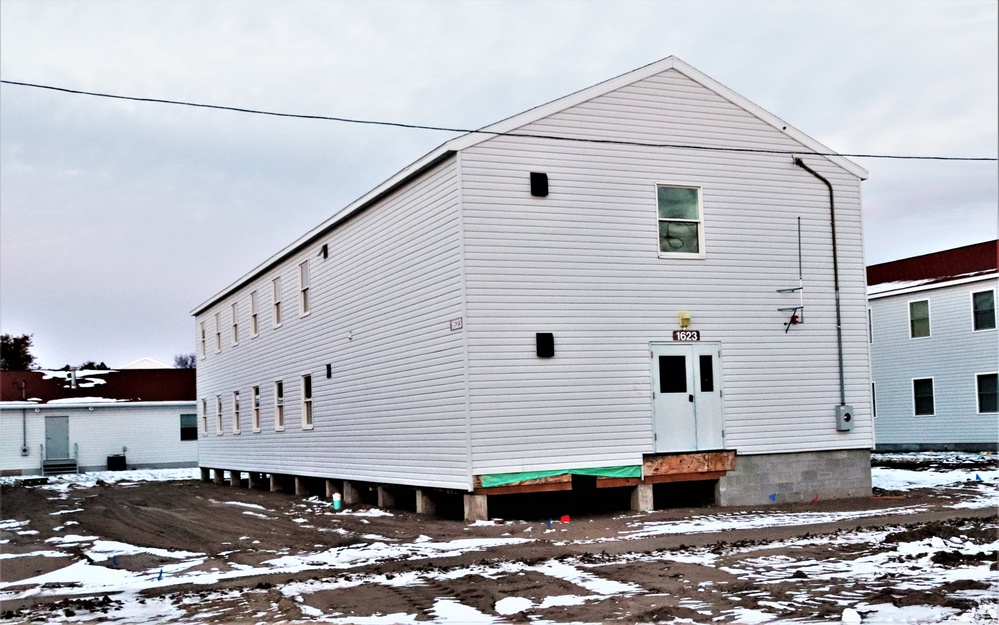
x=256, y=409
x=204, y=340
x=983, y=306
x=235, y=324
x=218, y=332
x=235, y=412
x=987, y=398
x=303, y=286
x=922, y=396
x=188, y=427
x=204, y=414
x=919, y=318
x=680, y=220
x=306, y=401
x=254, y=319
x=218, y=414
x=276, y=288
x=279, y=405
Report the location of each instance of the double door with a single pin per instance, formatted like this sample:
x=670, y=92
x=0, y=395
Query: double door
x=687, y=397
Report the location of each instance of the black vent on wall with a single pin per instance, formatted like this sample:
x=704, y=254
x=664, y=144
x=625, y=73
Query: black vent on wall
x=539, y=184
x=329, y=371
x=546, y=344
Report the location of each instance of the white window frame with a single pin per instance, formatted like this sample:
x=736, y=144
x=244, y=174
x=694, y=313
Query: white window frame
x=279, y=412
x=929, y=318
x=254, y=317
x=933, y=383
x=304, y=285
x=971, y=298
x=276, y=295
x=235, y=323
x=204, y=339
x=255, y=398
x=978, y=396
x=308, y=414
x=218, y=415
x=218, y=332
x=204, y=413
x=235, y=412
x=699, y=221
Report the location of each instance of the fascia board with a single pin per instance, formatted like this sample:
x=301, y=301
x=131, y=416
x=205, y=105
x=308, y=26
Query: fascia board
x=933, y=286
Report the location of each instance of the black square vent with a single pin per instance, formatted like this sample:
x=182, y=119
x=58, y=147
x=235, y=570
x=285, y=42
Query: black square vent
x=539, y=184
x=546, y=344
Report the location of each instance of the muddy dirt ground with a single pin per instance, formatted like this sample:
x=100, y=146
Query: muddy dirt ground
x=804, y=562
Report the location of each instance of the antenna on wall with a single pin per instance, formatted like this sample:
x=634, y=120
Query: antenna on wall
x=797, y=312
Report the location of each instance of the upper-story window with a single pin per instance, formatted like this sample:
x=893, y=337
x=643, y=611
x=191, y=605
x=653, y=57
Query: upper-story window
x=218, y=332
x=680, y=220
x=254, y=318
x=983, y=305
x=235, y=323
x=276, y=289
x=919, y=318
x=303, y=287
x=204, y=339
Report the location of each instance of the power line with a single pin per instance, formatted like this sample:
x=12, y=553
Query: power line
x=348, y=120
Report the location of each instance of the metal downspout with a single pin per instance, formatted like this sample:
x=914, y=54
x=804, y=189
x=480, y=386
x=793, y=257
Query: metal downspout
x=839, y=319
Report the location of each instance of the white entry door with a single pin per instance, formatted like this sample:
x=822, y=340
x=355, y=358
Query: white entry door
x=687, y=397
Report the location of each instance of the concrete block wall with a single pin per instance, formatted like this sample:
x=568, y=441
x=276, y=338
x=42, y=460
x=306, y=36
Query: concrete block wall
x=796, y=477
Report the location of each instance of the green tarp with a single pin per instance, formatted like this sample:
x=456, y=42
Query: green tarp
x=499, y=479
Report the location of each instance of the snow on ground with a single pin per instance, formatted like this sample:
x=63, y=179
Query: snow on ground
x=122, y=478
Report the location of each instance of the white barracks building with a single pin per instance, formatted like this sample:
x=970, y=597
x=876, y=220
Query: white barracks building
x=649, y=281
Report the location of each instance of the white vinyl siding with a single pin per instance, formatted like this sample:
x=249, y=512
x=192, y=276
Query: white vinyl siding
x=380, y=306
x=952, y=356
x=584, y=263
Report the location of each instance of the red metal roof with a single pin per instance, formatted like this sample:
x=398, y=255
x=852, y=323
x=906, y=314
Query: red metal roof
x=126, y=384
x=969, y=260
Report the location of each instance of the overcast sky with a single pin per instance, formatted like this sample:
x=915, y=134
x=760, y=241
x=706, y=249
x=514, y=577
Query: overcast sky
x=117, y=218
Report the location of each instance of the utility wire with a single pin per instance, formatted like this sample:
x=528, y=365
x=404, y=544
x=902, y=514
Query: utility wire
x=490, y=132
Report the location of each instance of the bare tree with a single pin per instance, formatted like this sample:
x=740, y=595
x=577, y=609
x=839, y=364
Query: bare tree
x=184, y=361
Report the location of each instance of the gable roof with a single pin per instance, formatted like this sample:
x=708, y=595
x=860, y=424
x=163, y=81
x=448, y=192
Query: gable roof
x=969, y=261
x=97, y=386
x=448, y=149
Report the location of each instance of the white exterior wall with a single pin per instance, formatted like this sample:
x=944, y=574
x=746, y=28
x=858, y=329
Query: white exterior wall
x=583, y=264
x=150, y=431
x=952, y=355
x=394, y=410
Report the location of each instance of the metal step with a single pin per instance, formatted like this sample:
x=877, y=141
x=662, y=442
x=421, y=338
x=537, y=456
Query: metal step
x=57, y=467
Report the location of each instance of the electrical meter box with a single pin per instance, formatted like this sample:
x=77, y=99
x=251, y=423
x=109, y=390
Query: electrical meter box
x=844, y=418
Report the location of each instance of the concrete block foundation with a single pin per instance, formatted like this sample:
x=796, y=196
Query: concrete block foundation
x=798, y=477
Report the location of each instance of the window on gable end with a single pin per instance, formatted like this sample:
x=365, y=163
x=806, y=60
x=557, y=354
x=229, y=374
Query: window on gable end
x=303, y=286
x=218, y=332
x=254, y=318
x=276, y=291
x=919, y=319
x=680, y=220
x=235, y=323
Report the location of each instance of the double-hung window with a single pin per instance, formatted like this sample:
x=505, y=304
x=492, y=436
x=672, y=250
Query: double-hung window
x=235, y=412
x=681, y=231
x=279, y=405
x=983, y=306
x=303, y=287
x=235, y=324
x=919, y=318
x=256, y=408
x=204, y=414
x=306, y=401
x=987, y=392
x=218, y=414
x=922, y=396
x=276, y=289
x=203, y=339
x=218, y=332
x=254, y=319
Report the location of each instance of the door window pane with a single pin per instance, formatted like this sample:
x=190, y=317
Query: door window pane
x=984, y=305
x=922, y=396
x=707, y=374
x=987, y=398
x=672, y=374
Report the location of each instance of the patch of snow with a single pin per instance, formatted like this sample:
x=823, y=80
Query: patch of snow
x=241, y=504
x=370, y=512
x=512, y=605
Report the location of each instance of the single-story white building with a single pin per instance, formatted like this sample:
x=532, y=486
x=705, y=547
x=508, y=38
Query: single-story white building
x=59, y=421
x=650, y=280
x=935, y=350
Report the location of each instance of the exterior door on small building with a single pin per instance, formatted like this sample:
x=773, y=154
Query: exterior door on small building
x=686, y=397
x=56, y=438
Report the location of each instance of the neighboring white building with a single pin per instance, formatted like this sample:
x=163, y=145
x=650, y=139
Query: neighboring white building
x=935, y=351
x=58, y=421
x=512, y=309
